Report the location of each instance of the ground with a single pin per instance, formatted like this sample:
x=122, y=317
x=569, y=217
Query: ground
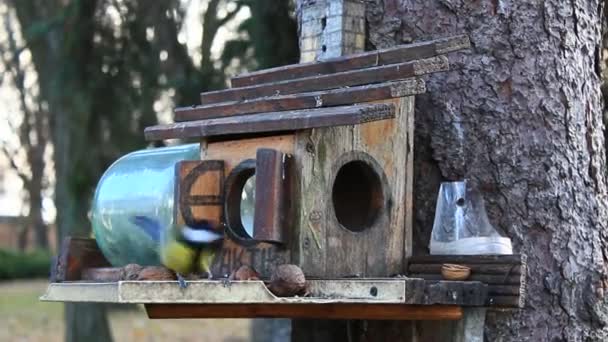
x=24, y=318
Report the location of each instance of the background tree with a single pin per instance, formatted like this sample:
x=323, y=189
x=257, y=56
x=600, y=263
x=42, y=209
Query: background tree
x=27, y=155
x=101, y=67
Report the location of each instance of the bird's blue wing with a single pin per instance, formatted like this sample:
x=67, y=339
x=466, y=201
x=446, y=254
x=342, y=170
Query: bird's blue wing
x=149, y=225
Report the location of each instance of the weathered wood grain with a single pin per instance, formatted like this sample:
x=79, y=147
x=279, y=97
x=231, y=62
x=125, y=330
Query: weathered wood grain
x=325, y=311
x=325, y=248
x=263, y=257
x=398, y=54
x=75, y=255
x=326, y=98
x=337, y=80
x=273, y=196
x=505, y=301
x=465, y=293
x=273, y=122
x=128, y=272
x=199, y=192
x=484, y=278
x=467, y=259
x=505, y=275
x=475, y=268
x=103, y=274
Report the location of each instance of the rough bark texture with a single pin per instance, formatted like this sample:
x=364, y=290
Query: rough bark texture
x=521, y=116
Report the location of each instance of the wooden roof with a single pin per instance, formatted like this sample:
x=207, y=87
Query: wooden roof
x=312, y=95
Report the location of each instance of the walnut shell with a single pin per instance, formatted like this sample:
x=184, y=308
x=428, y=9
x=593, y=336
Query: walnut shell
x=131, y=271
x=156, y=273
x=287, y=281
x=455, y=272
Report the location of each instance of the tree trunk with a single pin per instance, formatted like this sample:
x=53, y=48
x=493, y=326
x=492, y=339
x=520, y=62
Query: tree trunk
x=85, y=320
x=22, y=231
x=35, y=215
x=520, y=116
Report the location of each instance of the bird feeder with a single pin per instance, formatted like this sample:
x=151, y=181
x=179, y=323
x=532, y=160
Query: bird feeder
x=311, y=165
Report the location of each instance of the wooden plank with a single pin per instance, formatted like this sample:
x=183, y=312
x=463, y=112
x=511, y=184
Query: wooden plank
x=75, y=255
x=407, y=104
x=471, y=327
x=505, y=301
x=338, y=80
x=263, y=257
x=82, y=292
x=485, y=278
x=325, y=311
x=325, y=248
x=465, y=293
x=398, y=54
x=103, y=274
x=387, y=142
x=504, y=290
x=467, y=259
x=475, y=268
x=505, y=275
x=322, y=292
x=326, y=98
x=273, y=196
x=386, y=291
x=199, y=189
x=128, y=272
x=273, y=122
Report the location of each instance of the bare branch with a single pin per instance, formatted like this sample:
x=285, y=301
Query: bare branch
x=24, y=177
x=230, y=15
x=13, y=65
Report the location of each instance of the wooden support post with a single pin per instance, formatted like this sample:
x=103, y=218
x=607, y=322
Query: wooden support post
x=75, y=255
x=470, y=327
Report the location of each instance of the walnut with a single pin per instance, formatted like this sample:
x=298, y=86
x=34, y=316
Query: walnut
x=287, y=281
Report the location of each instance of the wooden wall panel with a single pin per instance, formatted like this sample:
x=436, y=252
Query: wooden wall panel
x=262, y=256
x=325, y=248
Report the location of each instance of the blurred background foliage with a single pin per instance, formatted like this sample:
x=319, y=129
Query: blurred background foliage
x=15, y=265
x=92, y=74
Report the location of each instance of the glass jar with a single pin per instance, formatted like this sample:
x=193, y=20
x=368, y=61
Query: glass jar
x=139, y=183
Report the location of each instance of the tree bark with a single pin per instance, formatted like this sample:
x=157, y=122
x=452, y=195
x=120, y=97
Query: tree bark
x=520, y=115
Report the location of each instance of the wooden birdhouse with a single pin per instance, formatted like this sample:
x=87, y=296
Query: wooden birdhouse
x=309, y=164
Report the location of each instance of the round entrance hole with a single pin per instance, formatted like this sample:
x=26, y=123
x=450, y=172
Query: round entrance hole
x=239, y=206
x=357, y=195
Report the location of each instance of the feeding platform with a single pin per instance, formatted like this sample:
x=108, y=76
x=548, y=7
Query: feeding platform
x=80, y=274
x=353, y=299
x=328, y=147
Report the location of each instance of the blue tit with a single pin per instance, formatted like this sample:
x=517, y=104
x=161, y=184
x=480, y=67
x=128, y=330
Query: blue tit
x=185, y=249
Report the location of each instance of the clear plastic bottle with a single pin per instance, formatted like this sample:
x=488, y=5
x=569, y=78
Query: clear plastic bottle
x=461, y=224
x=139, y=183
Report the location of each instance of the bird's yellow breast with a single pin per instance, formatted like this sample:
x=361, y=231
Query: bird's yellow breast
x=178, y=257
x=205, y=259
